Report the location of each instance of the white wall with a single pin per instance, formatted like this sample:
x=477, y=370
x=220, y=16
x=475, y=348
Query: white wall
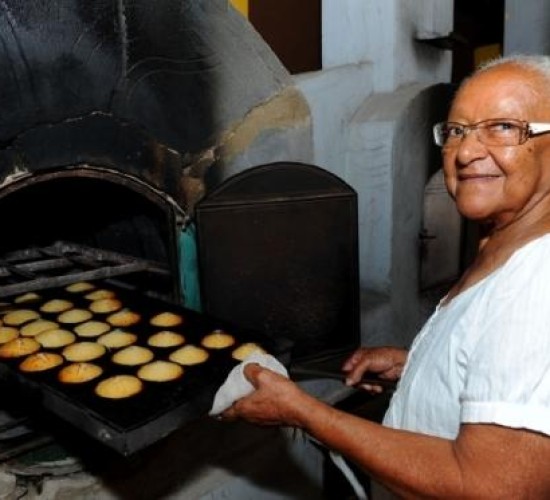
x=382, y=32
x=527, y=27
x=373, y=69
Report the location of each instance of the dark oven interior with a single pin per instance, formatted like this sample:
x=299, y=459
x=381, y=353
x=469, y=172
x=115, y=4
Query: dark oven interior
x=86, y=215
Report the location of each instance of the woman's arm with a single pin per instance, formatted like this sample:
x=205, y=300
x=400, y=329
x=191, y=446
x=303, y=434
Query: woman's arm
x=485, y=461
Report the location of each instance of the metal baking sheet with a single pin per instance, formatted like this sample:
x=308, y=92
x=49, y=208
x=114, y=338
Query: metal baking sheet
x=130, y=424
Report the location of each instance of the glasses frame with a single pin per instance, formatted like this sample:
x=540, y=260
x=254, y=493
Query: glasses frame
x=529, y=130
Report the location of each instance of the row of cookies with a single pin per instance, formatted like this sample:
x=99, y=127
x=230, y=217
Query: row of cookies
x=46, y=334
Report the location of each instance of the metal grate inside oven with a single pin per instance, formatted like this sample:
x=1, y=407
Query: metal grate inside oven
x=63, y=263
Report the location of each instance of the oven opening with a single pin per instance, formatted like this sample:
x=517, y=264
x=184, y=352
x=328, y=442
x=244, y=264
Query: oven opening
x=97, y=223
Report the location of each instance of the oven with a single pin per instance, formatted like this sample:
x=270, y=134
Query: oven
x=277, y=254
x=102, y=144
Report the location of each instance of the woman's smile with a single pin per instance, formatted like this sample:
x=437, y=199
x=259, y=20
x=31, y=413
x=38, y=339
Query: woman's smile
x=477, y=177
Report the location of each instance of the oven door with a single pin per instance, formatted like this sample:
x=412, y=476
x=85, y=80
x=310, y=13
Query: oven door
x=278, y=254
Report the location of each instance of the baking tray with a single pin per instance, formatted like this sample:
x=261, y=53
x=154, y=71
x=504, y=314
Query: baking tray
x=128, y=425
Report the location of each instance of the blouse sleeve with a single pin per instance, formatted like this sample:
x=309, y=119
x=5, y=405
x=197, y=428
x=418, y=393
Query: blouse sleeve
x=508, y=371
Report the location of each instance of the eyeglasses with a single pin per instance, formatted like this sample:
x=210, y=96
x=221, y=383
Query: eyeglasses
x=495, y=132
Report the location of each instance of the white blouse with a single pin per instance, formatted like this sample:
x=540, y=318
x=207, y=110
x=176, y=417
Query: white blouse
x=485, y=356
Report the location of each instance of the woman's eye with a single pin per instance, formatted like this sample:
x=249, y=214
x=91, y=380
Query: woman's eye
x=455, y=131
x=500, y=127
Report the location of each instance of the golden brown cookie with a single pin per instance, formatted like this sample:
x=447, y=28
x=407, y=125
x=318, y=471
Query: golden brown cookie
x=74, y=316
x=78, y=373
x=56, y=306
x=160, y=371
x=245, y=350
x=27, y=297
x=20, y=316
x=119, y=387
x=40, y=361
x=124, y=318
x=165, y=338
x=117, y=338
x=37, y=326
x=79, y=287
x=104, y=306
x=8, y=333
x=19, y=347
x=83, y=351
x=166, y=320
x=218, y=339
x=133, y=355
x=189, y=355
x=53, y=339
x=92, y=328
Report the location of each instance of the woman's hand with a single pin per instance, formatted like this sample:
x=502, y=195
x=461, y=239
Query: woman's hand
x=386, y=362
x=276, y=400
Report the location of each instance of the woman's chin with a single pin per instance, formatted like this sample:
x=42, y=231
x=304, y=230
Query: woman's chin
x=475, y=212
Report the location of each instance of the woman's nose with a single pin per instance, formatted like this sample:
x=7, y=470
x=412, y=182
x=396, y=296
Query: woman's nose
x=470, y=148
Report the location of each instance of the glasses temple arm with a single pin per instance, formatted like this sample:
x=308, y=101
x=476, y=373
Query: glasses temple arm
x=538, y=128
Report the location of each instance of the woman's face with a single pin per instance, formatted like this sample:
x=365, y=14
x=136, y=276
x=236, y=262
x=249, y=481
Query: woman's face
x=499, y=183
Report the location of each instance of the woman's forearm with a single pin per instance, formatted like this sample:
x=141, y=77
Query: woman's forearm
x=408, y=464
x=485, y=461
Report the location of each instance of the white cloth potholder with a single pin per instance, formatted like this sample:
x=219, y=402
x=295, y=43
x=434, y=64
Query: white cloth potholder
x=236, y=386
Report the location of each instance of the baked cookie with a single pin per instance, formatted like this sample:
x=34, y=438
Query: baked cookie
x=74, y=316
x=56, y=338
x=119, y=387
x=133, y=355
x=79, y=287
x=19, y=317
x=19, y=347
x=78, y=373
x=117, y=338
x=56, y=306
x=27, y=297
x=91, y=328
x=160, y=371
x=40, y=362
x=83, y=351
x=37, y=326
x=218, y=339
x=8, y=333
x=124, y=318
x=104, y=306
x=166, y=320
x=244, y=350
x=165, y=338
x=189, y=355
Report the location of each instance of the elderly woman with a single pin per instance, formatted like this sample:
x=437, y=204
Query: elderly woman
x=471, y=415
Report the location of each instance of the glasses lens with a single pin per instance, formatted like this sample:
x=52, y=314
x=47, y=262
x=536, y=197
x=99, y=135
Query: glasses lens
x=439, y=135
x=501, y=132
x=446, y=133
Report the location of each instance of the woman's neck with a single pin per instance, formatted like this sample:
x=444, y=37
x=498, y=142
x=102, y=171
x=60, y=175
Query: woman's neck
x=496, y=246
